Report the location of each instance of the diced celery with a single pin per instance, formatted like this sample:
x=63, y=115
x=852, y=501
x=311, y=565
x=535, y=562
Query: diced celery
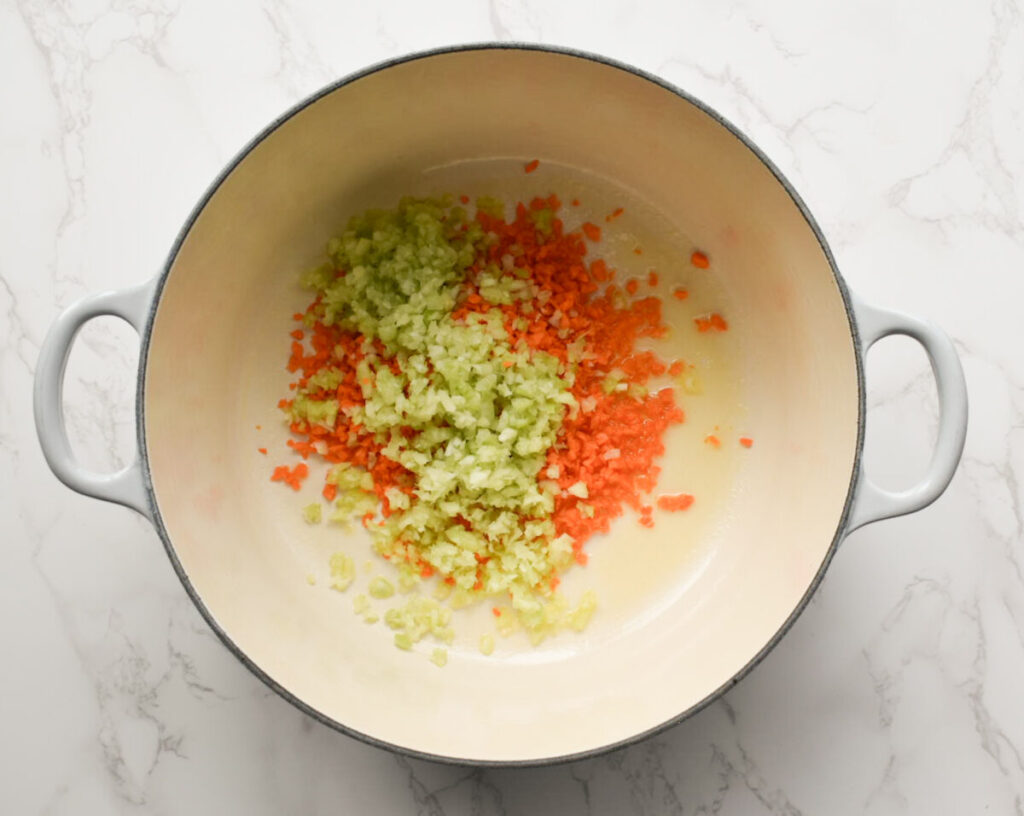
x=343, y=571
x=381, y=588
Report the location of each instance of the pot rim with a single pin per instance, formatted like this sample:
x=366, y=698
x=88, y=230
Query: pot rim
x=146, y=335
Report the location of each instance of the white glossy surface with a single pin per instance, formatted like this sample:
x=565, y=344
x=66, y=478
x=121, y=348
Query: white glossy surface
x=896, y=692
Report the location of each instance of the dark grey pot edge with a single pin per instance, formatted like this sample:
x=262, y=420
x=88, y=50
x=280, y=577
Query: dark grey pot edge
x=411, y=752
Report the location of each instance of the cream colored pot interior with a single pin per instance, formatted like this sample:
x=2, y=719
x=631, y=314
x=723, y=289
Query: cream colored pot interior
x=683, y=607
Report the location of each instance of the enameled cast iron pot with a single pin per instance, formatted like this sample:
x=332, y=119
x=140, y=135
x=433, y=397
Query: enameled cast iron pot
x=211, y=327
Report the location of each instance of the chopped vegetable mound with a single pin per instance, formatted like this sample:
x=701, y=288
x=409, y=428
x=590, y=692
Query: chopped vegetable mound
x=475, y=386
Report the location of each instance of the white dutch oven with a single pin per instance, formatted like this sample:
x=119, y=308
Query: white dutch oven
x=214, y=318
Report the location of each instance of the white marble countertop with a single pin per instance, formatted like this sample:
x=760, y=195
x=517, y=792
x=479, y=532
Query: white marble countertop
x=898, y=691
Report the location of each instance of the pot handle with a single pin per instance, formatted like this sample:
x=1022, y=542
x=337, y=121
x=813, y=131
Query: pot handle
x=126, y=486
x=871, y=502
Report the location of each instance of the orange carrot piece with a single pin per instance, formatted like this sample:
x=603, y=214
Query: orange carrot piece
x=290, y=476
x=614, y=214
x=652, y=278
x=713, y=441
x=680, y=294
x=575, y=202
x=700, y=260
x=592, y=231
x=298, y=334
x=673, y=503
x=632, y=286
x=746, y=442
x=530, y=166
x=464, y=199
x=713, y=322
x=676, y=368
x=262, y=450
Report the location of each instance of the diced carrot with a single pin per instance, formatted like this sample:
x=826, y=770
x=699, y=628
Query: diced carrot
x=262, y=450
x=676, y=368
x=680, y=294
x=292, y=477
x=712, y=322
x=713, y=441
x=746, y=441
x=530, y=166
x=464, y=199
x=632, y=286
x=614, y=214
x=652, y=278
x=592, y=231
x=679, y=501
x=699, y=260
